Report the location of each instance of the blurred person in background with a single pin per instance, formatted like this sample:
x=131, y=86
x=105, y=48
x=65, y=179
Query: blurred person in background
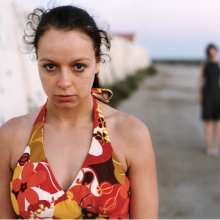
x=209, y=98
x=75, y=157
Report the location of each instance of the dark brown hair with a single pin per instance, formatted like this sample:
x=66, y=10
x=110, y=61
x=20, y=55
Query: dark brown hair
x=208, y=48
x=66, y=18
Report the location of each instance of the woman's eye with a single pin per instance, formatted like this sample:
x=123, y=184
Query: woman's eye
x=49, y=67
x=79, y=67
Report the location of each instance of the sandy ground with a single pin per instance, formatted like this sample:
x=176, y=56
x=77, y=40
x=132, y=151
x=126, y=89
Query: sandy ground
x=189, y=181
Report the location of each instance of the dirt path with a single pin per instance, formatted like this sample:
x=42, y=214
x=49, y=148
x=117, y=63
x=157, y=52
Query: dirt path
x=189, y=181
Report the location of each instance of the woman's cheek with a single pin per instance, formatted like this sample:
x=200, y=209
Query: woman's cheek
x=86, y=85
x=88, y=80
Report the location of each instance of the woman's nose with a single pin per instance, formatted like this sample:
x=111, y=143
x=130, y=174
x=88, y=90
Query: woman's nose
x=65, y=80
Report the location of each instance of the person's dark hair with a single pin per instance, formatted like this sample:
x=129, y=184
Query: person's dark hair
x=66, y=18
x=208, y=48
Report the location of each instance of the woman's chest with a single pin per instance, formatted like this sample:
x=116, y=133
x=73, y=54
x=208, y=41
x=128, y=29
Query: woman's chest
x=66, y=152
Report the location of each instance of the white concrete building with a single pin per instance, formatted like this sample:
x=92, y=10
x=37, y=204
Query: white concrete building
x=20, y=88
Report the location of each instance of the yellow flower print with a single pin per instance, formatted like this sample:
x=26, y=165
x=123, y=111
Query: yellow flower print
x=101, y=136
x=68, y=209
x=101, y=122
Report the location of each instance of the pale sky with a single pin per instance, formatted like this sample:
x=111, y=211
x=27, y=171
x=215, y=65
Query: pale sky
x=167, y=28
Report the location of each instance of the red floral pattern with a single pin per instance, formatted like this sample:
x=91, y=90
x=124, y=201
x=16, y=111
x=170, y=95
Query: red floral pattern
x=100, y=190
x=24, y=158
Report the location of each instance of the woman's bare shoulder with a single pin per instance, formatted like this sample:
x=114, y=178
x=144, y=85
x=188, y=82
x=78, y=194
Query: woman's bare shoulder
x=124, y=121
x=17, y=125
x=127, y=126
x=15, y=132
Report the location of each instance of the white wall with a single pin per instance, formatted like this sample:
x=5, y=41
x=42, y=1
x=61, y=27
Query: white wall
x=126, y=58
x=19, y=85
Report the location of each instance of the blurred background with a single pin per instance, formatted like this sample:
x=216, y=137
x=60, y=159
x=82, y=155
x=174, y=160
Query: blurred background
x=157, y=48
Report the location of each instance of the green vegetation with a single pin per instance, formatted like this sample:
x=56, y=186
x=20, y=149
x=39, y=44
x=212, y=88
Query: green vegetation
x=124, y=88
x=178, y=61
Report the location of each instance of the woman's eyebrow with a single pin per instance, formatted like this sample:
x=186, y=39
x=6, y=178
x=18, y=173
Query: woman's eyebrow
x=45, y=59
x=76, y=60
x=82, y=59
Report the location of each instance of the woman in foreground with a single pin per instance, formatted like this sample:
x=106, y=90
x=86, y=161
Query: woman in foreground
x=75, y=157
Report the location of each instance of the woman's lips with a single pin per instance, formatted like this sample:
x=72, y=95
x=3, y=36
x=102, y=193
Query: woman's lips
x=65, y=98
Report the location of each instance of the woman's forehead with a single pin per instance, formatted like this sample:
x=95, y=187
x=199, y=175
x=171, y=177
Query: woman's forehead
x=66, y=43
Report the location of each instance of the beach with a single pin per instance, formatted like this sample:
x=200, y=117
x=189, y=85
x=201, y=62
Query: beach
x=188, y=179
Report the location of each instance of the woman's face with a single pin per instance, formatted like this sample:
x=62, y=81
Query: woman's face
x=67, y=66
x=213, y=53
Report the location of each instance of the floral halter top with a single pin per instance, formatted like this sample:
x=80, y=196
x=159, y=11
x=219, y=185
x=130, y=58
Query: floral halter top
x=100, y=189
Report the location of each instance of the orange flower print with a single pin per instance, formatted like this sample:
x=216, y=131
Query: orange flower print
x=105, y=188
x=21, y=187
x=101, y=136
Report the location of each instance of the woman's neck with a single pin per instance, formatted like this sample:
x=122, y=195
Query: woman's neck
x=214, y=59
x=67, y=116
